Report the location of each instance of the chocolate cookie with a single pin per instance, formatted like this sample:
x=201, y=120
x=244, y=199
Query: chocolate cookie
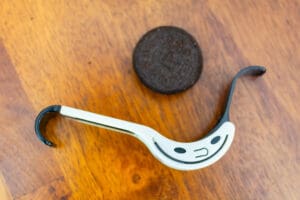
x=168, y=60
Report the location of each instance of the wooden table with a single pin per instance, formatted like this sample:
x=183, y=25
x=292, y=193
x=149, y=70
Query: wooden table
x=78, y=53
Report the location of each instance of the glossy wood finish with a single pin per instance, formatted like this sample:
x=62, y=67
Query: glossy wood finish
x=78, y=53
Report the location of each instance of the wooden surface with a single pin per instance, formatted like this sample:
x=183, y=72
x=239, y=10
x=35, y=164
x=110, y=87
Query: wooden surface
x=78, y=53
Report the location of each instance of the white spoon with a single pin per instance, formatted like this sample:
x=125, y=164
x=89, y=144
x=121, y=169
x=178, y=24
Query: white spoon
x=177, y=155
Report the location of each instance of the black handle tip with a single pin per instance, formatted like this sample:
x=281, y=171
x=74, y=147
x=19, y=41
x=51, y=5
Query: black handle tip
x=257, y=70
x=41, y=122
x=49, y=143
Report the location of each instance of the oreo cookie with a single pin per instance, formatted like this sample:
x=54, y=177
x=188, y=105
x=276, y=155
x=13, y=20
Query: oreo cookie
x=168, y=60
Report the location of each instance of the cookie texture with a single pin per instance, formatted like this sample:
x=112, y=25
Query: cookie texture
x=168, y=60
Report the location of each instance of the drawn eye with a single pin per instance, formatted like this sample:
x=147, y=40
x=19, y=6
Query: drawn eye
x=179, y=150
x=215, y=140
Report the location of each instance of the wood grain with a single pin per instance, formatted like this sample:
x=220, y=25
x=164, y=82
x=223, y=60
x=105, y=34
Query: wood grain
x=78, y=53
x=4, y=192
